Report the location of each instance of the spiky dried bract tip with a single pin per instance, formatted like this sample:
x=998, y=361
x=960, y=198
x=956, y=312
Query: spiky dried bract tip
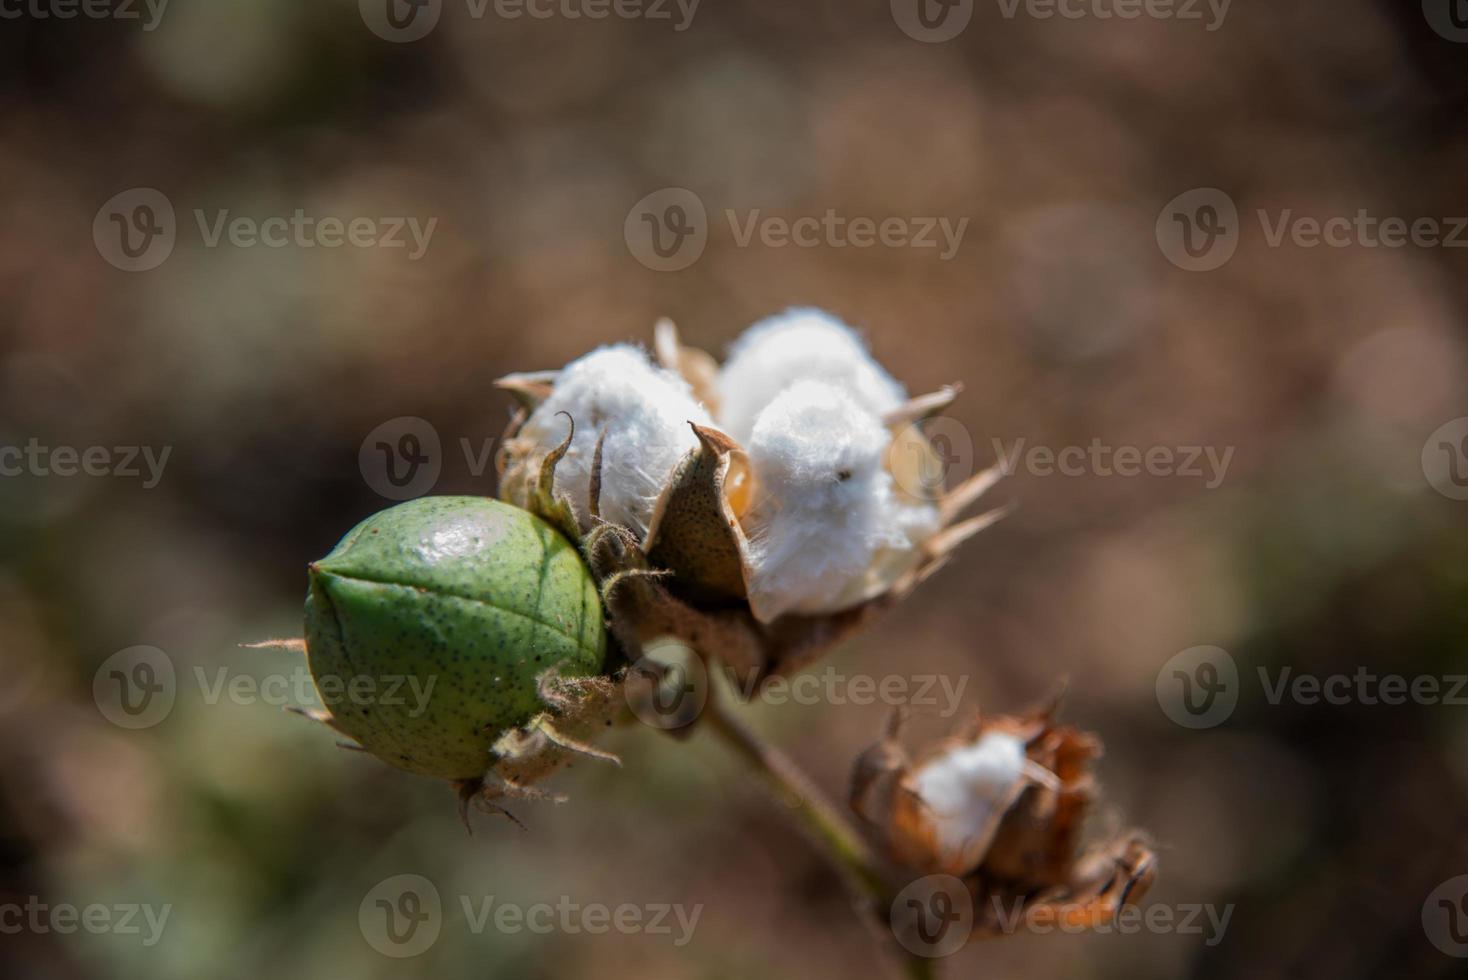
x=1002, y=806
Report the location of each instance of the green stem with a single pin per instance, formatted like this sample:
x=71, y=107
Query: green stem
x=839, y=842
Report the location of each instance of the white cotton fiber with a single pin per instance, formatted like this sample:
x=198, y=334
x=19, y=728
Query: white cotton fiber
x=645, y=410
x=799, y=344
x=966, y=791
x=824, y=503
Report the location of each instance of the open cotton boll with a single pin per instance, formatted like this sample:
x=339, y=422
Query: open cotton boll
x=824, y=504
x=645, y=411
x=799, y=344
x=967, y=791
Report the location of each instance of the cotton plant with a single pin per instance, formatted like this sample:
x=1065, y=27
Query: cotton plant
x=757, y=512
x=1000, y=806
x=769, y=547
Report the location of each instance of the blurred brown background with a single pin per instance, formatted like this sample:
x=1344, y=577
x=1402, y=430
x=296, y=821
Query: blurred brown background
x=1325, y=370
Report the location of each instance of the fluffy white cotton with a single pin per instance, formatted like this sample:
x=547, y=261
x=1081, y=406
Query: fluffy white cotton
x=967, y=791
x=645, y=410
x=824, y=503
x=799, y=344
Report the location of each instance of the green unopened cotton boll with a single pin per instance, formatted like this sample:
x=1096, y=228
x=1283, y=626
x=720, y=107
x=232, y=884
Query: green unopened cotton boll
x=430, y=622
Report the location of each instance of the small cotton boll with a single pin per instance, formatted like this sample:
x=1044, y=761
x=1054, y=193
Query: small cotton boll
x=645, y=410
x=967, y=791
x=799, y=344
x=824, y=505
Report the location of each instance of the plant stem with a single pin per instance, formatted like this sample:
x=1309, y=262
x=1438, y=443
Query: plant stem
x=846, y=849
x=840, y=843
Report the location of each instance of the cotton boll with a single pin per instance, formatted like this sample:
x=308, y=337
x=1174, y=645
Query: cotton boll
x=799, y=344
x=824, y=502
x=645, y=411
x=967, y=791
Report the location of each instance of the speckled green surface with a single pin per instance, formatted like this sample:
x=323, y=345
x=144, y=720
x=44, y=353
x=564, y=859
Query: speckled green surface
x=471, y=593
